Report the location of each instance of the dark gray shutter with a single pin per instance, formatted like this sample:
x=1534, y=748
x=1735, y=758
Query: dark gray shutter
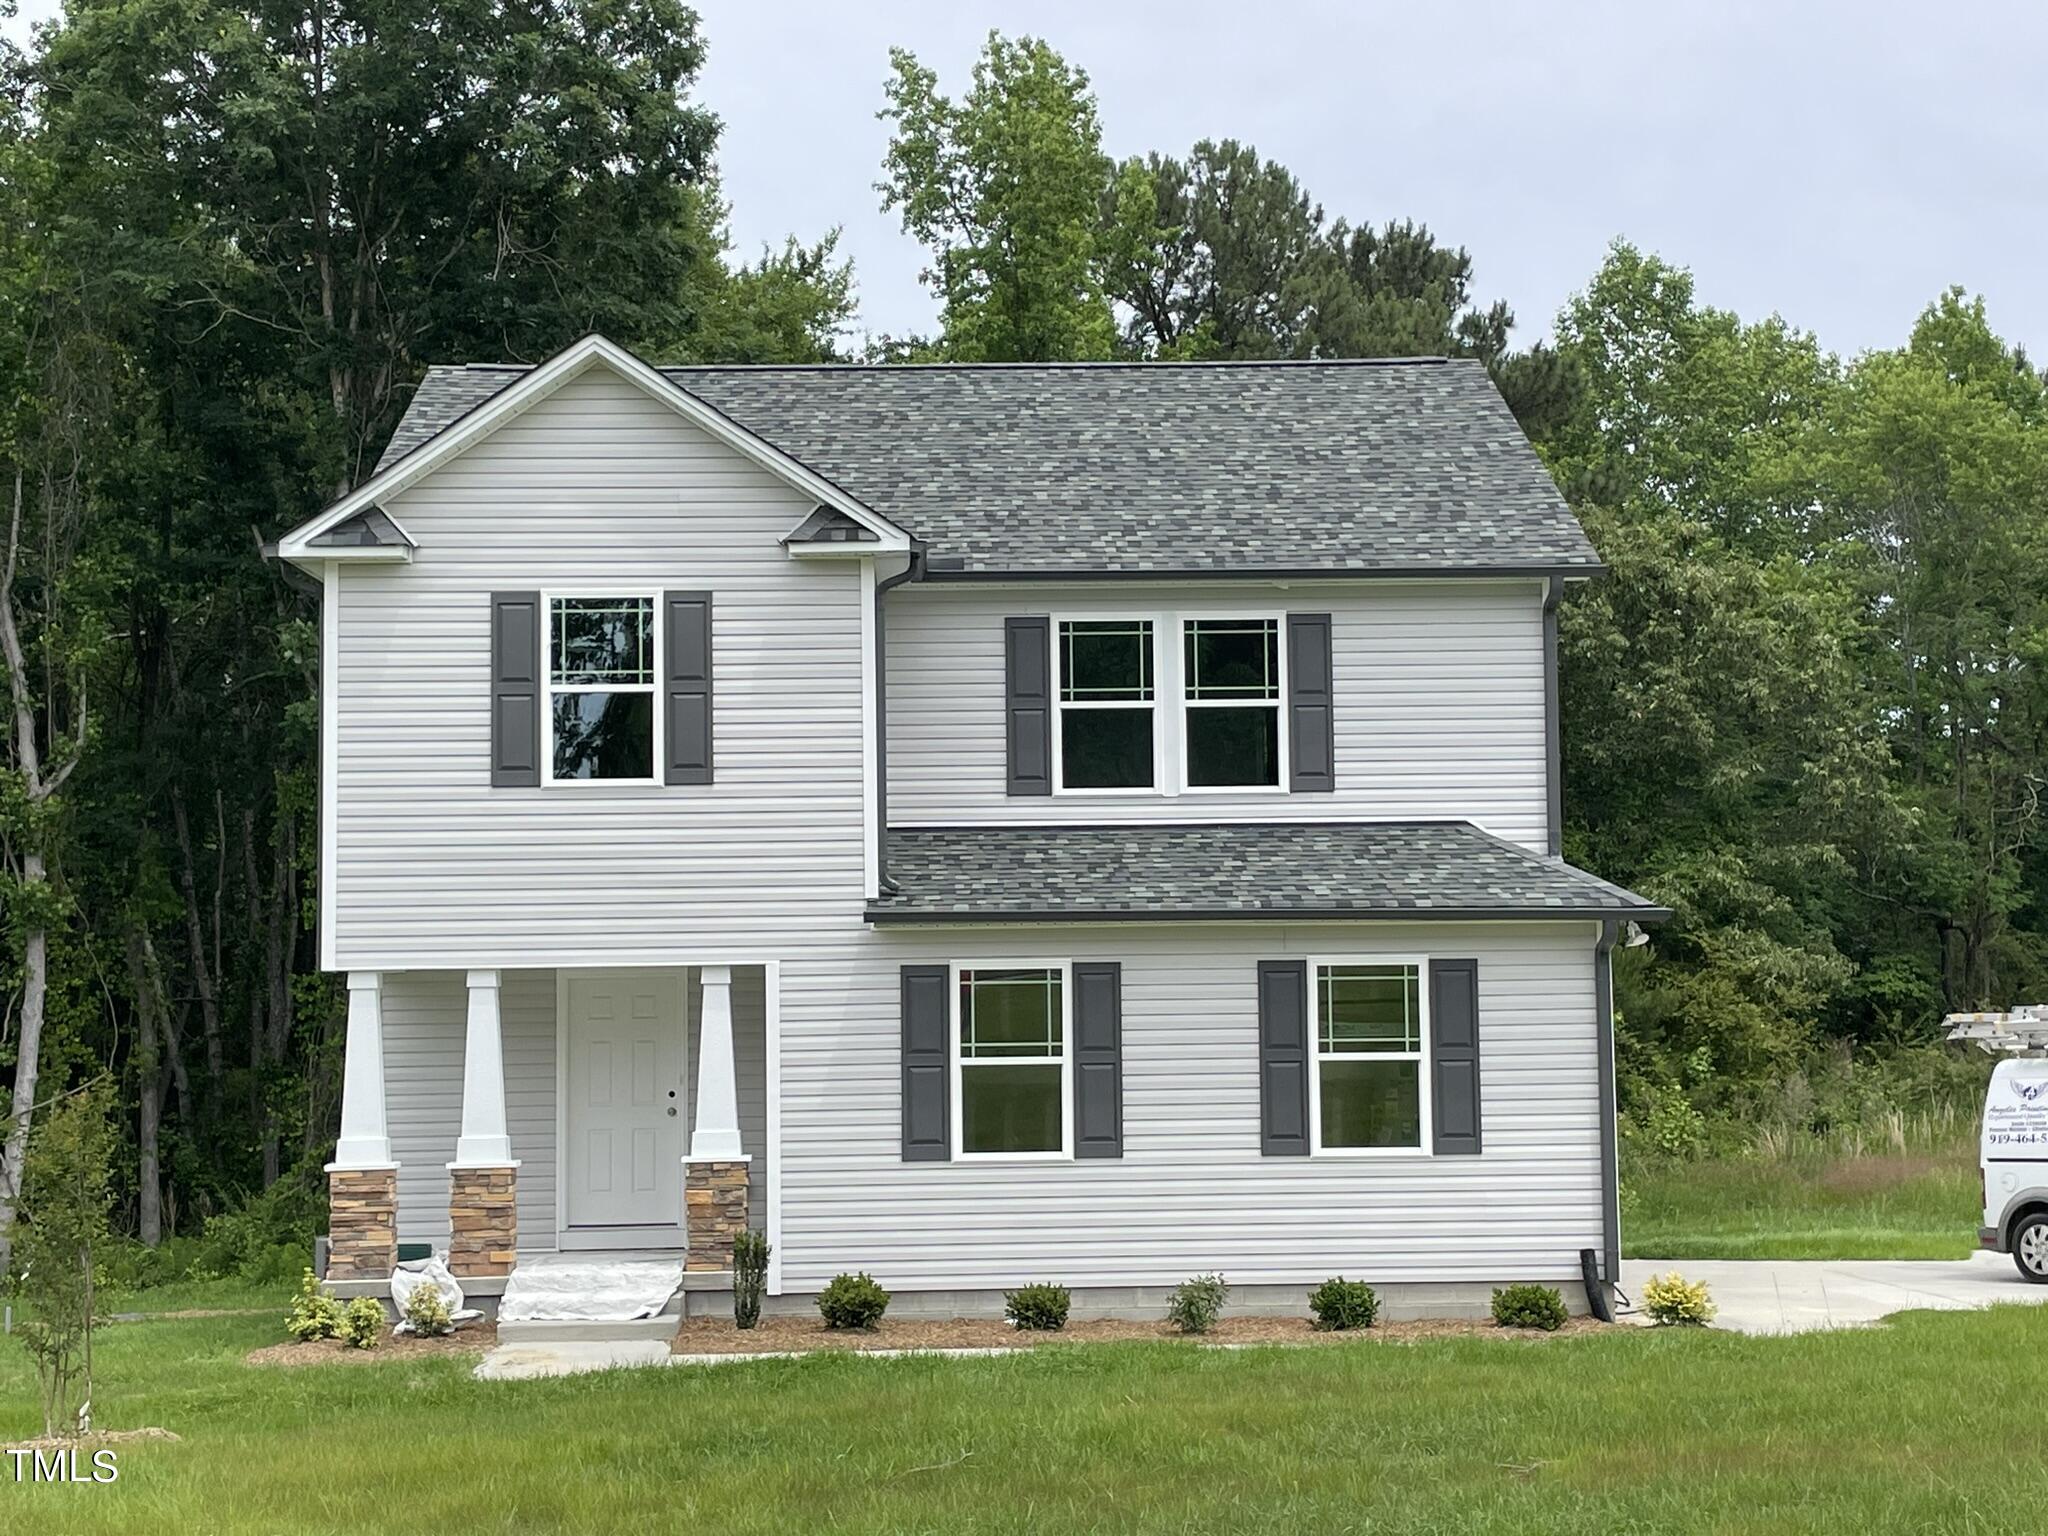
x=927, y=1074
x=1311, y=724
x=1098, y=1059
x=1454, y=1055
x=515, y=687
x=1283, y=1058
x=686, y=677
x=1027, y=697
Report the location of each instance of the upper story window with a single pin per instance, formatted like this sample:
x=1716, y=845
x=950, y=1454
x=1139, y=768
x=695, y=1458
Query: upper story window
x=601, y=679
x=1106, y=733
x=1010, y=1061
x=1230, y=709
x=1371, y=1041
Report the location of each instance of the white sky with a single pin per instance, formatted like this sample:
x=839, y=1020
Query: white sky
x=1838, y=161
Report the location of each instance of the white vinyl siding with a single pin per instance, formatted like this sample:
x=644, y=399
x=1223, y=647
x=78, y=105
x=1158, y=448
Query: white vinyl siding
x=595, y=489
x=1439, y=704
x=1191, y=1192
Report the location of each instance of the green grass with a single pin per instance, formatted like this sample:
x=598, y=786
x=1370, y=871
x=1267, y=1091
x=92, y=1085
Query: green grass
x=1924, y=1425
x=1853, y=1202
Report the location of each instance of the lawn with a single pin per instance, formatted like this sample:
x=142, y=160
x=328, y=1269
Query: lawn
x=1886, y=1203
x=1923, y=1425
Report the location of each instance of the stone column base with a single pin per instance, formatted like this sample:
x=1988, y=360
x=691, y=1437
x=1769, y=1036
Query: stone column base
x=362, y=1223
x=714, y=1210
x=484, y=1222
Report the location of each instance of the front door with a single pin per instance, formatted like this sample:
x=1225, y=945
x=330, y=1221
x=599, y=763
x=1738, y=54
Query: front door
x=624, y=1130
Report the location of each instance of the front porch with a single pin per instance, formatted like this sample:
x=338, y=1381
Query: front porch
x=498, y=1115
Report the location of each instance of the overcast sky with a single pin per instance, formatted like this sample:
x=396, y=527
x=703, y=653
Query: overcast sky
x=1838, y=161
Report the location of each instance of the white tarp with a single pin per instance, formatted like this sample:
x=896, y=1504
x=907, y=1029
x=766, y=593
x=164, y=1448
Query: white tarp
x=569, y=1289
x=414, y=1273
x=2016, y=1112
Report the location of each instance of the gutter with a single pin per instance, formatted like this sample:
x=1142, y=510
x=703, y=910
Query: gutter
x=1552, y=572
x=1553, y=747
x=1611, y=917
x=1610, y=1169
x=914, y=571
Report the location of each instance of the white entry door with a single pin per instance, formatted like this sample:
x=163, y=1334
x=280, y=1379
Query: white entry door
x=625, y=1120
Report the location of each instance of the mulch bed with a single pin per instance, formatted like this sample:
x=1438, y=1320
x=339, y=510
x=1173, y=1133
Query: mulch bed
x=92, y=1441
x=471, y=1338
x=718, y=1336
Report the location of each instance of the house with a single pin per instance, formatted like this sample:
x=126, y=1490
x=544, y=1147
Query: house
x=1090, y=823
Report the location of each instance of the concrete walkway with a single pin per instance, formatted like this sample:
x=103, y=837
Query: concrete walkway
x=1797, y=1296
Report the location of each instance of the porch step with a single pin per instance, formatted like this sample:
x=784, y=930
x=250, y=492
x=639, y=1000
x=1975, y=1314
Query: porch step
x=591, y=1290
x=660, y=1328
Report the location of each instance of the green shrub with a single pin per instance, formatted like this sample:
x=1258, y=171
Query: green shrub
x=66, y=1201
x=1674, y=1299
x=313, y=1313
x=1673, y=1125
x=1341, y=1304
x=750, y=1252
x=1040, y=1307
x=1196, y=1303
x=362, y=1322
x=426, y=1309
x=853, y=1301
x=1529, y=1306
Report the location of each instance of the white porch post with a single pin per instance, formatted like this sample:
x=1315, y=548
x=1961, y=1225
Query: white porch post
x=715, y=1133
x=364, y=1141
x=484, y=1141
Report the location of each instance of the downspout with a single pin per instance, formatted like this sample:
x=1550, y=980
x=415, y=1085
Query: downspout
x=1599, y=1296
x=1553, y=751
x=914, y=571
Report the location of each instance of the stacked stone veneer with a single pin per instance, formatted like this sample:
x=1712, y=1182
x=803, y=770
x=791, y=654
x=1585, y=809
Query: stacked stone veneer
x=714, y=1211
x=362, y=1223
x=485, y=1225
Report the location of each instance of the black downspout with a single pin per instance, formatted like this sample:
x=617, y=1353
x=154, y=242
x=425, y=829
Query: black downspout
x=914, y=571
x=1598, y=1296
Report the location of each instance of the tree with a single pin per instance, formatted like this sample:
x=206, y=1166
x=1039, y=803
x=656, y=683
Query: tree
x=67, y=1201
x=1005, y=187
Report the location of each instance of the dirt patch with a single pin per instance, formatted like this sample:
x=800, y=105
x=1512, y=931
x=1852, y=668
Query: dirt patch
x=718, y=1336
x=1873, y=1175
x=393, y=1346
x=97, y=1438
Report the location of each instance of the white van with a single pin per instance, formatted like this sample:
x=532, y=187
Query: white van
x=2014, y=1156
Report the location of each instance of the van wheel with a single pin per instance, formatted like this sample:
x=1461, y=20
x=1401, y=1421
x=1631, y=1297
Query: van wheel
x=2030, y=1247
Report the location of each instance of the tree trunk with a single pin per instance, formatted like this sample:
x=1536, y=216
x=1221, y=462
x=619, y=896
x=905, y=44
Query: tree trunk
x=203, y=974
x=148, y=1093
x=35, y=983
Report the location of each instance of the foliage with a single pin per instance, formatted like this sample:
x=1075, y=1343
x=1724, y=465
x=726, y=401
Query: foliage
x=313, y=1313
x=1194, y=1305
x=852, y=1301
x=362, y=1323
x=426, y=1310
x=1339, y=1304
x=750, y=1251
x=65, y=1203
x=1039, y=1306
x=1529, y=1306
x=1673, y=1299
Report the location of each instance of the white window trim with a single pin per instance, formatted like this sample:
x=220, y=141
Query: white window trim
x=1181, y=622
x=959, y=1129
x=1060, y=706
x=548, y=599
x=1425, y=1082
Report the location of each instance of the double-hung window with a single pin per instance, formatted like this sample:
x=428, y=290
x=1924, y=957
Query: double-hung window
x=1371, y=1090
x=1105, y=719
x=601, y=676
x=1010, y=1061
x=1230, y=703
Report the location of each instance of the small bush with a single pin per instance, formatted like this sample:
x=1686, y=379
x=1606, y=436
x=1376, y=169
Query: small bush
x=853, y=1301
x=1529, y=1306
x=313, y=1313
x=1341, y=1304
x=1674, y=1299
x=362, y=1322
x=426, y=1310
x=1196, y=1303
x=1041, y=1307
x=750, y=1252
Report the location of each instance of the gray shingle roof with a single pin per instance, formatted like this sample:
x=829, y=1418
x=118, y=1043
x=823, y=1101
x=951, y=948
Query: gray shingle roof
x=1147, y=468
x=1251, y=870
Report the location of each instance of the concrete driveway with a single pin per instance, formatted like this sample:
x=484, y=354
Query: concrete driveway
x=1796, y=1296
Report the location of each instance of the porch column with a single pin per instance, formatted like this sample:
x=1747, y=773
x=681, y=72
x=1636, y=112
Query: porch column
x=362, y=1181
x=715, y=1173
x=481, y=1180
